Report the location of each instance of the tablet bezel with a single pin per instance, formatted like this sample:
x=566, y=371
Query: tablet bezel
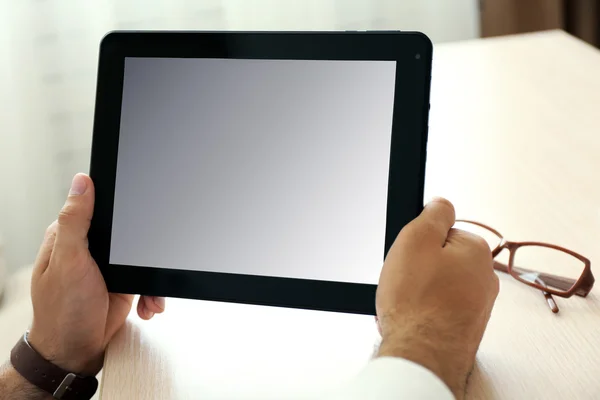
x=412, y=52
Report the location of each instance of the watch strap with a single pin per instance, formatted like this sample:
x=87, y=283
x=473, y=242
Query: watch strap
x=51, y=378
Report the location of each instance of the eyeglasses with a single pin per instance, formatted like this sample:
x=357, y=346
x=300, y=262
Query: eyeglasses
x=552, y=269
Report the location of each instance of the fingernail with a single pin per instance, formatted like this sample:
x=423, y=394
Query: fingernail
x=160, y=302
x=78, y=186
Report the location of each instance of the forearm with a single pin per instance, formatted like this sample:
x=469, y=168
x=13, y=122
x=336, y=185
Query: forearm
x=14, y=387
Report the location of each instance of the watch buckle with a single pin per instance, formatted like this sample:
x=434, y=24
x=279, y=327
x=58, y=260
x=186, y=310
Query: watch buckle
x=64, y=386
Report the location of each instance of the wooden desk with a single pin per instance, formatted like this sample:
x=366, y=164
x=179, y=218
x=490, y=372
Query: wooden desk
x=514, y=142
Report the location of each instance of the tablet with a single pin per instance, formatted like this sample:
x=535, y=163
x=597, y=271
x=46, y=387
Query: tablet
x=257, y=167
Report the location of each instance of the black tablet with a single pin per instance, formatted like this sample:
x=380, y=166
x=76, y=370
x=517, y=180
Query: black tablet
x=262, y=168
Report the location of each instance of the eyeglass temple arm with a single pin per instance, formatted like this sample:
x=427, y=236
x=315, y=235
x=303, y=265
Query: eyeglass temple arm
x=556, y=281
x=549, y=299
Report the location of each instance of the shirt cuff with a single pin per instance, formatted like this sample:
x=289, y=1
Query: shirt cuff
x=390, y=378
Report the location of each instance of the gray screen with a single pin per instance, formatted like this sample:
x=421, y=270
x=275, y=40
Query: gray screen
x=260, y=167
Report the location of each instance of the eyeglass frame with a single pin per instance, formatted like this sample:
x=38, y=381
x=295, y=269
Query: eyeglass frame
x=580, y=287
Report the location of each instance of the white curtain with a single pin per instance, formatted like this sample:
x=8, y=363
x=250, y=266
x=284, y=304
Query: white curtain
x=48, y=57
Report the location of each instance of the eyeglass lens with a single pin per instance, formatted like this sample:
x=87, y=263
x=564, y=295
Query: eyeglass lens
x=547, y=267
x=538, y=265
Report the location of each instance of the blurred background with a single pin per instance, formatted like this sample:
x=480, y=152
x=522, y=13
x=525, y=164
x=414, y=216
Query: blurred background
x=49, y=49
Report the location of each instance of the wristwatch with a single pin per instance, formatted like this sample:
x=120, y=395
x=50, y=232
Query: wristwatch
x=61, y=384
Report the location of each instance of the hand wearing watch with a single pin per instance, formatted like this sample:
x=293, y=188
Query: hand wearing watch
x=72, y=327
x=61, y=384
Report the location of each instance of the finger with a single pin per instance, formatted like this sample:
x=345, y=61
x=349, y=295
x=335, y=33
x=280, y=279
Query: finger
x=462, y=238
x=119, y=307
x=436, y=220
x=154, y=304
x=463, y=242
x=43, y=256
x=142, y=310
x=75, y=217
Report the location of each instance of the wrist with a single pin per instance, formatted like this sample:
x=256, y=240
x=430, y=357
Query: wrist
x=446, y=363
x=77, y=361
x=15, y=387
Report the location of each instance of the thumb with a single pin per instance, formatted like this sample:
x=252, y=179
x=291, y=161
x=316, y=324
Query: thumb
x=436, y=220
x=75, y=217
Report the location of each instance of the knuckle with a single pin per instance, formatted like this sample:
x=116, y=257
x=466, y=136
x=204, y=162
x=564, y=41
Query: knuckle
x=476, y=242
x=51, y=229
x=496, y=281
x=481, y=244
x=493, y=286
x=478, y=247
x=67, y=214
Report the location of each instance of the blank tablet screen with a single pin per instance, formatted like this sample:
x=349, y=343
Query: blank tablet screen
x=257, y=167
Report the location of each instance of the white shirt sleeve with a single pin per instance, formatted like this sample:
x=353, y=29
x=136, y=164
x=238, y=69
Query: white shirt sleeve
x=389, y=378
